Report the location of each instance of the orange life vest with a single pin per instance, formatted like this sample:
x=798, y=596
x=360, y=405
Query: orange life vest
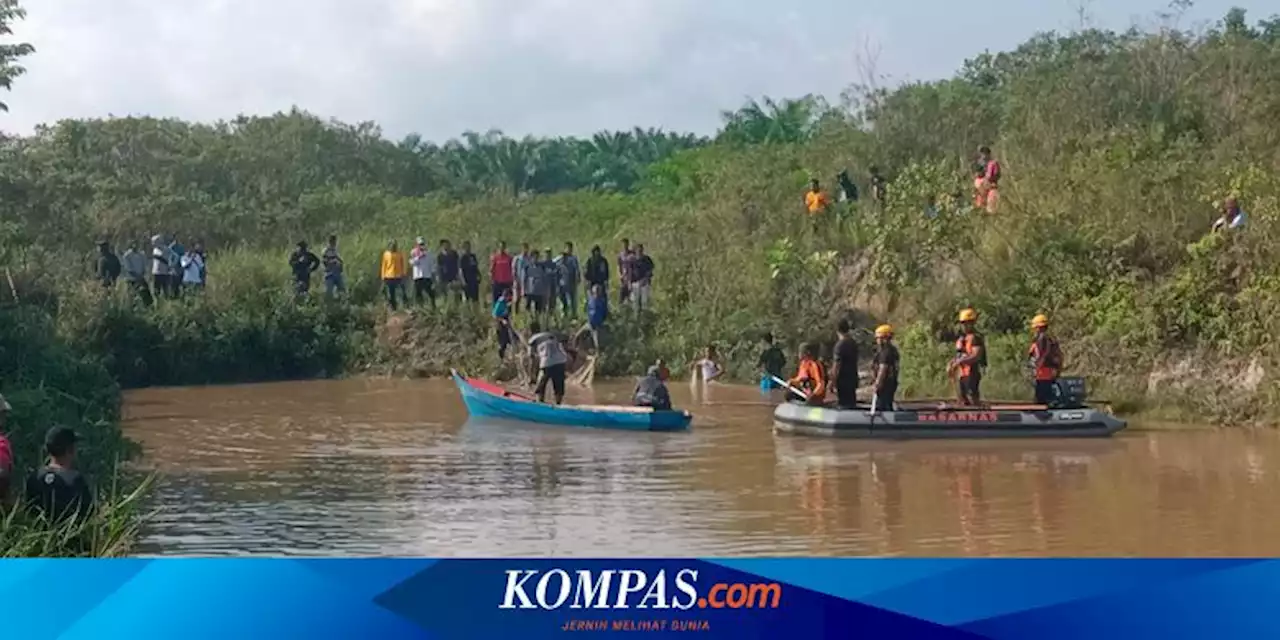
x=1048, y=370
x=967, y=345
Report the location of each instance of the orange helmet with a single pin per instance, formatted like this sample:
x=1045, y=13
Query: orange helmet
x=968, y=315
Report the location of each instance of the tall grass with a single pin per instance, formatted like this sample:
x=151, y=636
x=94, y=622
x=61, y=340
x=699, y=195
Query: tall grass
x=110, y=531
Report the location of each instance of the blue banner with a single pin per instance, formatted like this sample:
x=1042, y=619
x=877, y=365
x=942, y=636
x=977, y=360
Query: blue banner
x=544, y=598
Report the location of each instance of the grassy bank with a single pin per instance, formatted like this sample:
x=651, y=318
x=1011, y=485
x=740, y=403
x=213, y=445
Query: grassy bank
x=49, y=383
x=1115, y=147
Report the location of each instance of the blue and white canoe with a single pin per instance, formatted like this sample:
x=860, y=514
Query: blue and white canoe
x=487, y=400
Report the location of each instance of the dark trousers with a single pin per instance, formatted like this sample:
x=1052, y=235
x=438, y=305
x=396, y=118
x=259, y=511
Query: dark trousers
x=471, y=291
x=392, y=285
x=141, y=290
x=554, y=374
x=504, y=340
x=1047, y=392
x=624, y=292
x=534, y=303
x=422, y=289
x=569, y=299
x=499, y=289
x=884, y=397
x=300, y=286
x=847, y=394
x=971, y=389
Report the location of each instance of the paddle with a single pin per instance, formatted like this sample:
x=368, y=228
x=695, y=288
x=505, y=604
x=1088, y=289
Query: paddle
x=788, y=387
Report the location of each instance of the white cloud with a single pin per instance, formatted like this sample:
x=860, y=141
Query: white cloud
x=443, y=66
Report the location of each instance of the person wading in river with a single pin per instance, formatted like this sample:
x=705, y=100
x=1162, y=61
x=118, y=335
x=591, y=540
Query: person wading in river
x=549, y=355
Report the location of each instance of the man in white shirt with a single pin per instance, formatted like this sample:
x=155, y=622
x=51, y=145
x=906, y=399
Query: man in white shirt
x=162, y=268
x=1233, y=217
x=424, y=271
x=192, y=270
x=550, y=356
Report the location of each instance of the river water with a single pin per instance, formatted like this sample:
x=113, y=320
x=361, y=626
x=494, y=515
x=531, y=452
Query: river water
x=378, y=467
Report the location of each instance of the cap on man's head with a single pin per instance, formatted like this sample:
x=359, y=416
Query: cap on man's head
x=655, y=371
x=421, y=240
x=59, y=440
x=4, y=404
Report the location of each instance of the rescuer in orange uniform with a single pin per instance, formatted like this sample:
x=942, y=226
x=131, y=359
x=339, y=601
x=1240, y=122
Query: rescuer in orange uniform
x=811, y=378
x=970, y=360
x=1046, y=359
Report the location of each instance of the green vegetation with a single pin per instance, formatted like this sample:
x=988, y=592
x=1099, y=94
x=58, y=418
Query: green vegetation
x=1115, y=147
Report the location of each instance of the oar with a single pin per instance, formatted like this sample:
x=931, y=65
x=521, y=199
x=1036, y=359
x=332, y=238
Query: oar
x=790, y=388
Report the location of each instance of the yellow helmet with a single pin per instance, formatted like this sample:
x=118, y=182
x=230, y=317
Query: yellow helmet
x=968, y=315
x=1040, y=321
x=884, y=331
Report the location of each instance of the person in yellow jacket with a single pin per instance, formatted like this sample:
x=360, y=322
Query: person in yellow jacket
x=394, y=270
x=1046, y=360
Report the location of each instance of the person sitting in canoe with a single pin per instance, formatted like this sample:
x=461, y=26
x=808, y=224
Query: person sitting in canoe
x=550, y=357
x=885, y=368
x=651, y=392
x=810, y=378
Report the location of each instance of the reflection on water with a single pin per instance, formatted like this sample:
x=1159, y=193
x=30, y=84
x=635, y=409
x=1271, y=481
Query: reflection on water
x=361, y=467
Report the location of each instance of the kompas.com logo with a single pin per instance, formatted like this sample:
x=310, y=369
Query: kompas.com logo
x=631, y=589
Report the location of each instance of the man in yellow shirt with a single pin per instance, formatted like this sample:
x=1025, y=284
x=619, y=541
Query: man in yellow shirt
x=815, y=200
x=394, y=269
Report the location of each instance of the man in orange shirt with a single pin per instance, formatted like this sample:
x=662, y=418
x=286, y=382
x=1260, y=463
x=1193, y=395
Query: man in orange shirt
x=811, y=378
x=815, y=200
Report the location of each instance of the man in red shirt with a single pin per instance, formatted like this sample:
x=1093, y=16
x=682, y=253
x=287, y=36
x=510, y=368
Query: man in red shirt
x=501, y=273
x=6, y=453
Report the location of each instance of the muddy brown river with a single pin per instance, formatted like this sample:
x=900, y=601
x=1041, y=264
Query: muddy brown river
x=378, y=468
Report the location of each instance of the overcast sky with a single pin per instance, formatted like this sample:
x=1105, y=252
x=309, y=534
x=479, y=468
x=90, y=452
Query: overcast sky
x=545, y=67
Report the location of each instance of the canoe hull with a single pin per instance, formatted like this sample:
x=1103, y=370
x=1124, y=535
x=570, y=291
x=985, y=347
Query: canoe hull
x=483, y=403
x=951, y=423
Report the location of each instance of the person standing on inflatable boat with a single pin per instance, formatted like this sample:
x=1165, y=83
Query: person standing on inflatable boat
x=1046, y=360
x=970, y=360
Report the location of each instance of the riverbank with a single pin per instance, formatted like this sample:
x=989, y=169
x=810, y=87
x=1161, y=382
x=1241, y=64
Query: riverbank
x=49, y=383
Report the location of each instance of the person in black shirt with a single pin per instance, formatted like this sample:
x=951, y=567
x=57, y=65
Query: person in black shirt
x=844, y=373
x=885, y=366
x=772, y=360
x=108, y=265
x=596, y=271
x=447, y=262
x=57, y=491
x=469, y=265
x=303, y=263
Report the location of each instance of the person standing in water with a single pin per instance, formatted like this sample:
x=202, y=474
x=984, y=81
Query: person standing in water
x=772, y=360
x=549, y=355
x=708, y=365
